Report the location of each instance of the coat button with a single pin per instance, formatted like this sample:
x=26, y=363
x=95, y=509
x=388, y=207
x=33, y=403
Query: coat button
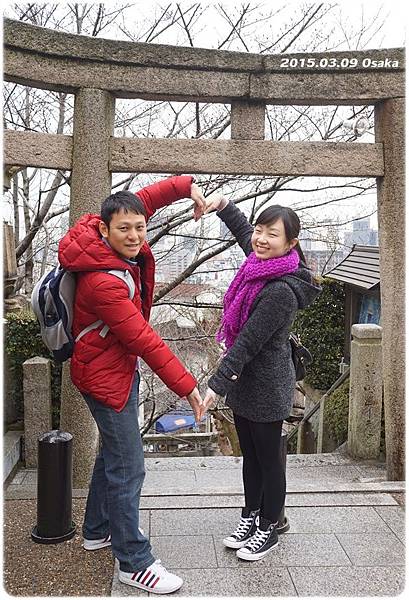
x=234, y=377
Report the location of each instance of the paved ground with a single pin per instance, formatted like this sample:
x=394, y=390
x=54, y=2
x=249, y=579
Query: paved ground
x=43, y=570
x=346, y=537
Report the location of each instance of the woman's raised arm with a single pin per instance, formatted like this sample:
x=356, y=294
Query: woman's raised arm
x=235, y=220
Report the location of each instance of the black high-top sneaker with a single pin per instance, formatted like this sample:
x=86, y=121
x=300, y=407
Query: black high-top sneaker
x=244, y=530
x=262, y=542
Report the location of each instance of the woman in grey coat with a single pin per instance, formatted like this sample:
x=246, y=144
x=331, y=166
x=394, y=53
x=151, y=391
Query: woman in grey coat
x=257, y=374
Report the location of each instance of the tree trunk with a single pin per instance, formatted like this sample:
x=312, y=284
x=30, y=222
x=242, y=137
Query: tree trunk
x=15, y=210
x=228, y=440
x=28, y=264
x=45, y=252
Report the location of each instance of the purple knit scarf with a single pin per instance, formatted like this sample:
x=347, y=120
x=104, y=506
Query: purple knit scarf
x=252, y=276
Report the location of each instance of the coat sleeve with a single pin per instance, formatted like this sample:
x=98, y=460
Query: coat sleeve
x=274, y=310
x=165, y=192
x=113, y=306
x=238, y=224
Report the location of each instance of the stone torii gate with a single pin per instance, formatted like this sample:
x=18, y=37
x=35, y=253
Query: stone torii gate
x=98, y=71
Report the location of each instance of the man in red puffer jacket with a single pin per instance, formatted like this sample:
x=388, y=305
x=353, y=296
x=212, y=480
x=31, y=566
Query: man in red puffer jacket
x=105, y=367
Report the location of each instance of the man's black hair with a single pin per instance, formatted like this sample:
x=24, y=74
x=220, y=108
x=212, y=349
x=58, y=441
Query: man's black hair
x=127, y=201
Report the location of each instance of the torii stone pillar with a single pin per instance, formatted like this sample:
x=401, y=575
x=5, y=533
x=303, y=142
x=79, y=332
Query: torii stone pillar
x=248, y=120
x=365, y=392
x=390, y=130
x=90, y=184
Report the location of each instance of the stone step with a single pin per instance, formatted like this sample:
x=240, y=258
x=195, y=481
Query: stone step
x=236, y=501
x=196, y=477
x=22, y=492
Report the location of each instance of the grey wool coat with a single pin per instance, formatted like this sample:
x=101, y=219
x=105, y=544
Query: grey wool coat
x=257, y=374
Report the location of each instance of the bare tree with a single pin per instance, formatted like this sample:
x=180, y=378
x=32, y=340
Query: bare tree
x=39, y=199
x=184, y=22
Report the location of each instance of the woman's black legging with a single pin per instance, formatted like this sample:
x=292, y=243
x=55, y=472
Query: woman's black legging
x=263, y=469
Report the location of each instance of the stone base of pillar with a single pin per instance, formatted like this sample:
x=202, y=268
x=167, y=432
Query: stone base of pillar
x=365, y=396
x=75, y=418
x=37, y=405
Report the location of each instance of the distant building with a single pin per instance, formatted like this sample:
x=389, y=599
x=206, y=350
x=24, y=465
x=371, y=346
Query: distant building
x=224, y=230
x=173, y=255
x=220, y=270
x=320, y=260
x=306, y=244
x=174, y=306
x=361, y=234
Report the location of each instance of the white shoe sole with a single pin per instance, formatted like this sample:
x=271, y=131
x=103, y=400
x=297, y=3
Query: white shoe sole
x=87, y=546
x=235, y=545
x=252, y=557
x=91, y=545
x=146, y=588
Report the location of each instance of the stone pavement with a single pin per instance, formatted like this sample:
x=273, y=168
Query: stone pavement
x=346, y=534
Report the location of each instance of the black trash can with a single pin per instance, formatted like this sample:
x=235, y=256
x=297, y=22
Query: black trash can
x=54, y=489
x=283, y=523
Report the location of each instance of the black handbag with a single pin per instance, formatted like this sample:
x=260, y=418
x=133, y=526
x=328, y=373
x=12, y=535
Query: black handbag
x=301, y=356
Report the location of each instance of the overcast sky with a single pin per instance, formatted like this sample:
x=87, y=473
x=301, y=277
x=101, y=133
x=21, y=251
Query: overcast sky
x=341, y=20
x=349, y=13
x=394, y=24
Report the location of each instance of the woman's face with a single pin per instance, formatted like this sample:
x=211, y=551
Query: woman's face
x=269, y=241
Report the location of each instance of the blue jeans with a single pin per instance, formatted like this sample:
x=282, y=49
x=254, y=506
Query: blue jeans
x=115, y=489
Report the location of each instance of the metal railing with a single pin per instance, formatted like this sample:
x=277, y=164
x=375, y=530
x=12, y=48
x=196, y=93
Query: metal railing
x=303, y=429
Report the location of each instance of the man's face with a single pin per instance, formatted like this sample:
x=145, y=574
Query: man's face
x=126, y=233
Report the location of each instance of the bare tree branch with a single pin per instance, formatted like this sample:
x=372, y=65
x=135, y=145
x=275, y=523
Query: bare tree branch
x=170, y=286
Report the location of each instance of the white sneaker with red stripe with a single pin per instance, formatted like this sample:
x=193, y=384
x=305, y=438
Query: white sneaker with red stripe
x=155, y=579
x=101, y=543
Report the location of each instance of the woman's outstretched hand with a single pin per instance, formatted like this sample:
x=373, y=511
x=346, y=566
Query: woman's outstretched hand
x=196, y=402
x=215, y=201
x=200, y=203
x=209, y=400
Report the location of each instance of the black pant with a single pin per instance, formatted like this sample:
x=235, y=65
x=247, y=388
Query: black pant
x=263, y=468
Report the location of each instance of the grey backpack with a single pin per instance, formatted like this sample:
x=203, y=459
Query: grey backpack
x=52, y=301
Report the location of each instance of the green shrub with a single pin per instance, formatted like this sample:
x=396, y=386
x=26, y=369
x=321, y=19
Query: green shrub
x=336, y=417
x=321, y=328
x=23, y=341
x=336, y=413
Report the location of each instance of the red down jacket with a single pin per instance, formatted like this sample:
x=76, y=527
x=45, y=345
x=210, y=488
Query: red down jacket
x=105, y=367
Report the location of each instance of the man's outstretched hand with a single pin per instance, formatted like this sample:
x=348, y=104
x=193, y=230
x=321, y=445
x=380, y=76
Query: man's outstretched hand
x=200, y=203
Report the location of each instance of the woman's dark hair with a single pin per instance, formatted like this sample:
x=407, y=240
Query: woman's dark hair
x=291, y=222
x=127, y=201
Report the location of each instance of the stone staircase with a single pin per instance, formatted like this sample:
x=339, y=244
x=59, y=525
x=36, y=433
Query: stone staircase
x=346, y=534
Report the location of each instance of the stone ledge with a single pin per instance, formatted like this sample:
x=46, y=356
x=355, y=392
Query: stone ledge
x=12, y=451
x=41, y=40
x=26, y=492
x=235, y=462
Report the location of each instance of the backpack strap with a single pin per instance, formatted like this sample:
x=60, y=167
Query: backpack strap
x=88, y=329
x=127, y=278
